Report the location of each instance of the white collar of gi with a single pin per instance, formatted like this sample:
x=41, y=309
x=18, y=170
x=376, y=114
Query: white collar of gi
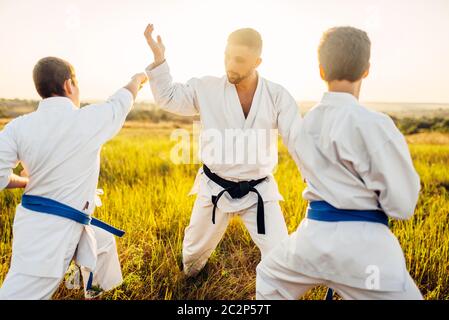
x=339, y=98
x=56, y=102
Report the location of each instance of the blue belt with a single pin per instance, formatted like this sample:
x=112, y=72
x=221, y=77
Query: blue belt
x=323, y=211
x=45, y=205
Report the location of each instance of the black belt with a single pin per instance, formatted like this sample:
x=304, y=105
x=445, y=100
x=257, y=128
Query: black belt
x=238, y=190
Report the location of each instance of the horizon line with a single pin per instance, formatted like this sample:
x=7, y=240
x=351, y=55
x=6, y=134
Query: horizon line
x=96, y=100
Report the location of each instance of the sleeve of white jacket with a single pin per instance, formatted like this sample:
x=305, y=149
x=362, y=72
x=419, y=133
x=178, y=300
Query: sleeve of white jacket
x=177, y=98
x=289, y=121
x=8, y=155
x=392, y=176
x=104, y=120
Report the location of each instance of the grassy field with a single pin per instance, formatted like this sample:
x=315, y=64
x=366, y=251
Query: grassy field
x=146, y=195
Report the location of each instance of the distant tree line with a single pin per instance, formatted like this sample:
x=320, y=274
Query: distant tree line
x=11, y=108
x=409, y=125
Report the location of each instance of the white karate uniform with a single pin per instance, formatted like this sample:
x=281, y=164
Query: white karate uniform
x=217, y=102
x=357, y=159
x=59, y=146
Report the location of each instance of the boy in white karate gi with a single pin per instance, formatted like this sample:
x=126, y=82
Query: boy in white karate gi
x=358, y=172
x=59, y=146
x=243, y=103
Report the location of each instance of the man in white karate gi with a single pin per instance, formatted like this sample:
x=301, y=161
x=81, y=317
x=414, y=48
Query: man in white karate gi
x=244, y=104
x=59, y=146
x=359, y=173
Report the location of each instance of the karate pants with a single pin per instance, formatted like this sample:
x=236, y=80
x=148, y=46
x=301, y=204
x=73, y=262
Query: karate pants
x=202, y=236
x=275, y=280
x=107, y=274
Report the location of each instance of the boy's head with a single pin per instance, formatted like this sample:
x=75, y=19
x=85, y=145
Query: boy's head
x=344, y=54
x=242, y=54
x=55, y=77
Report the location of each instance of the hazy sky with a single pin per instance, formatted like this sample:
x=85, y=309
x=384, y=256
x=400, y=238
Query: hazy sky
x=104, y=41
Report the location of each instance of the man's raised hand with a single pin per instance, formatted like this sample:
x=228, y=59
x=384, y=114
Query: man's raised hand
x=157, y=47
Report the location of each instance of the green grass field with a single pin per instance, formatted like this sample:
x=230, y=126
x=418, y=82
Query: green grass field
x=146, y=195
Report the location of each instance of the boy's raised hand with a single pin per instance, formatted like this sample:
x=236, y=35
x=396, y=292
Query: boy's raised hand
x=136, y=83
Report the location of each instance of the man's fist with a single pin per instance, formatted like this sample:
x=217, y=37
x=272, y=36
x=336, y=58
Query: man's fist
x=157, y=47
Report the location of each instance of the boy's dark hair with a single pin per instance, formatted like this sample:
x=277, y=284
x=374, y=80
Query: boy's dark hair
x=344, y=53
x=247, y=37
x=49, y=75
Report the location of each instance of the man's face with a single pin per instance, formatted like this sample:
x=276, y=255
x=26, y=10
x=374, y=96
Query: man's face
x=240, y=62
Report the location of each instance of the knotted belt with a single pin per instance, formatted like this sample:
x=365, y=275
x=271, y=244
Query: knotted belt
x=238, y=190
x=49, y=206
